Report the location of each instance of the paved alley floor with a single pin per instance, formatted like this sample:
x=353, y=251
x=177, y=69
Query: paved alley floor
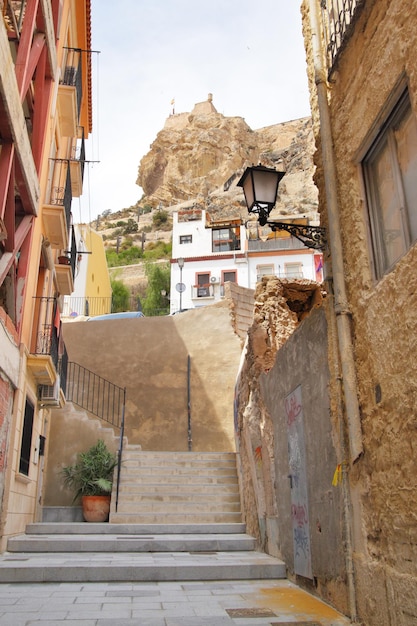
x=228, y=603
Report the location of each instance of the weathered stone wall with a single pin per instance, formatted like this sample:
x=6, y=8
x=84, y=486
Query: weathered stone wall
x=241, y=307
x=287, y=346
x=383, y=483
x=303, y=362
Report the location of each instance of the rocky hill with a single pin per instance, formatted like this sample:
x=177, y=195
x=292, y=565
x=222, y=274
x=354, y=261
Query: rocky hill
x=197, y=159
x=199, y=156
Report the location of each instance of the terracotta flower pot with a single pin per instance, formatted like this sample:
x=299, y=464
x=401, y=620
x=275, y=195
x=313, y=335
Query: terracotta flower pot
x=96, y=508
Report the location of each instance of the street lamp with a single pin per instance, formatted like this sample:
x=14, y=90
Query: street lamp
x=180, y=286
x=260, y=187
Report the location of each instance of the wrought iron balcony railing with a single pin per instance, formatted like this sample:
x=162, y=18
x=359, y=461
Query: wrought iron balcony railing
x=61, y=192
x=73, y=73
x=339, y=18
x=47, y=342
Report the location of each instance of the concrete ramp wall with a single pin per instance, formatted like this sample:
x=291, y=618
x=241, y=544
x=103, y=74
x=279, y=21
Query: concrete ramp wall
x=149, y=357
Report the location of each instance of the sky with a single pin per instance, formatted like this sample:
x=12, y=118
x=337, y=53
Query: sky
x=248, y=54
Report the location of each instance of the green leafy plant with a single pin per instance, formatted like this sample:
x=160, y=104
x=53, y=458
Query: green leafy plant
x=92, y=475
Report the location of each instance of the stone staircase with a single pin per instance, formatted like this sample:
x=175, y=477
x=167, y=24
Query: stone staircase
x=177, y=487
x=178, y=519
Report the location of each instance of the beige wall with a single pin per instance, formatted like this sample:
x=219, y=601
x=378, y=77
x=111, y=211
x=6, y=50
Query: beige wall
x=381, y=50
x=148, y=356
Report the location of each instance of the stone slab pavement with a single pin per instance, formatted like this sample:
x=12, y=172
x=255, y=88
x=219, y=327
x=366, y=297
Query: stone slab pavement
x=225, y=603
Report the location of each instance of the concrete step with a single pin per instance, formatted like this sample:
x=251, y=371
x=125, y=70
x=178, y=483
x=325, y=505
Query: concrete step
x=83, y=528
x=128, y=478
x=175, y=518
x=30, y=543
x=179, y=498
x=209, y=490
x=132, y=567
x=168, y=458
x=133, y=468
x=183, y=505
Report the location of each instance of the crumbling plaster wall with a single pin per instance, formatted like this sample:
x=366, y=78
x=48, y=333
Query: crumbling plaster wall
x=288, y=346
x=383, y=483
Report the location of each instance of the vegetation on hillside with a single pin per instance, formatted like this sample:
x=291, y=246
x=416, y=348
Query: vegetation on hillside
x=156, y=300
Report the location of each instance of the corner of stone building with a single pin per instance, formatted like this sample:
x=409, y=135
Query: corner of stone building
x=280, y=306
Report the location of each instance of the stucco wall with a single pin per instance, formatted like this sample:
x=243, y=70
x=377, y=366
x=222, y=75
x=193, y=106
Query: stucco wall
x=381, y=50
x=148, y=356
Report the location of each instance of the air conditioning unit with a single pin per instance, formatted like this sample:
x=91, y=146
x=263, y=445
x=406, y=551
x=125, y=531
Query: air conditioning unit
x=214, y=279
x=49, y=394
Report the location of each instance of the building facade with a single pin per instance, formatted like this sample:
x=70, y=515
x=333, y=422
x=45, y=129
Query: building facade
x=363, y=85
x=92, y=294
x=45, y=116
x=216, y=252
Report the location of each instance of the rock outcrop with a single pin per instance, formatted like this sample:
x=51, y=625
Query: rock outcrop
x=198, y=157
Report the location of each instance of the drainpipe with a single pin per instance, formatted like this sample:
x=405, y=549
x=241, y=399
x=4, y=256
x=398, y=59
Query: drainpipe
x=341, y=318
x=341, y=307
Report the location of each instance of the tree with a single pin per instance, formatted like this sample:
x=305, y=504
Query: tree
x=160, y=218
x=120, y=299
x=158, y=275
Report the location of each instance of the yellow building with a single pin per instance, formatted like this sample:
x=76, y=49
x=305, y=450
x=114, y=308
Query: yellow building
x=92, y=294
x=45, y=116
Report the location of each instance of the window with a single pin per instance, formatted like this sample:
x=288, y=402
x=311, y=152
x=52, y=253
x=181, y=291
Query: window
x=203, y=285
x=225, y=239
x=229, y=276
x=186, y=239
x=264, y=270
x=293, y=270
x=390, y=174
x=26, y=439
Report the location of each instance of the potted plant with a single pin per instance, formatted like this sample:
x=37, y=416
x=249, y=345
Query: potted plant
x=91, y=478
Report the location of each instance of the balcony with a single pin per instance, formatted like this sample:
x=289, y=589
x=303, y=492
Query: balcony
x=69, y=94
x=56, y=214
x=43, y=361
x=202, y=291
x=339, y=18
x=77, y=163
x=65, y=270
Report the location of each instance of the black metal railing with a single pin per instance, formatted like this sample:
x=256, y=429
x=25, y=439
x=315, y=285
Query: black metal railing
x=120, y=450
x=61, y=193
x=78, y=152
x=95, y=394
x=97, y=305
x=73, y=74
x=73, y=251
x=47, y=342
x=339, y=17
x=63, y=369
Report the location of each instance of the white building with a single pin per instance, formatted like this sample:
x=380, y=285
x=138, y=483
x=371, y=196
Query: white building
x=216, y=252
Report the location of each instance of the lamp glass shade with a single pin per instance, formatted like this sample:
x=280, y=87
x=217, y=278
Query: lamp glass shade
x=260, y=186
x=180, y=262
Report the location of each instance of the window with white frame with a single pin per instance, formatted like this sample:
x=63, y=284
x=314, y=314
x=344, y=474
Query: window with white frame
x=390, y=175
x=264, y=270
x=293, y=270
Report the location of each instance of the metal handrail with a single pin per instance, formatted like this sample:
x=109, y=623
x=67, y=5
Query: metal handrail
x=95, y=394
x=120, y=451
